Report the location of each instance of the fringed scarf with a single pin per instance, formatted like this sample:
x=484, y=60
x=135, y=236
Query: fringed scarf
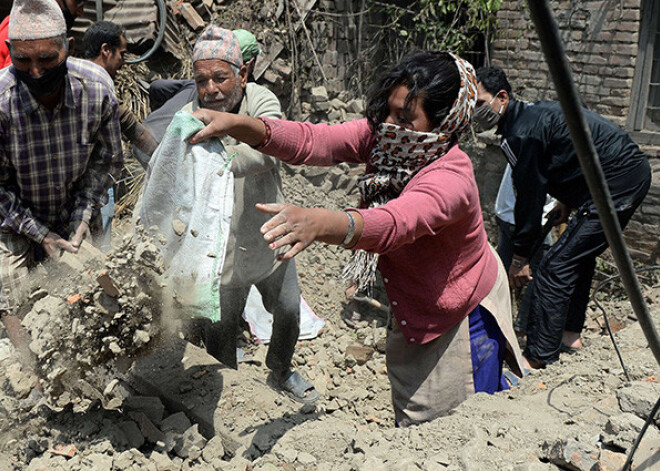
x=398, y=155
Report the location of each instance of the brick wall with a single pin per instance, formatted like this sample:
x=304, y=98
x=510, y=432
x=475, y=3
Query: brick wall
x=600, y=38
x=601, y=42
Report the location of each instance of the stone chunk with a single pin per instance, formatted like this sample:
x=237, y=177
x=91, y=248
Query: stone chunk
x=152, y=407
x=639, y=398
x=163, y=462
x=360, y=353
x=355, y=106
x=97, y=462
x=571, y=454
x=150, y=432
x=140, y=338
x=191, y=16
x=190, y=444
x=622, y=430
x=213, y=449
x=319, y=95
x=611, y=461
x=178, y=226
x=108, y=285
x=306, y=459
x=132, y=432
x=177, y=423
x=20, y=382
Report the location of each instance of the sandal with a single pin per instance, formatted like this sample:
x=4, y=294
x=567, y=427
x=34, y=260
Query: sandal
x=296, y=387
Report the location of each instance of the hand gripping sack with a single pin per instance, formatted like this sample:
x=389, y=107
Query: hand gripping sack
x=189, y=196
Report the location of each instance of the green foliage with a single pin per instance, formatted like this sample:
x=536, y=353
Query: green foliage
x=451, y=25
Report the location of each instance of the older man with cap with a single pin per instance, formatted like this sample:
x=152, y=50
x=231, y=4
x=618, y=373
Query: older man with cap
x=59, y=147
x=221, y=85
x=168, y=96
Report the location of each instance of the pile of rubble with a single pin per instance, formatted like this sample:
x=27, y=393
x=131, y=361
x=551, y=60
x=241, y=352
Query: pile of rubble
x=88, y=316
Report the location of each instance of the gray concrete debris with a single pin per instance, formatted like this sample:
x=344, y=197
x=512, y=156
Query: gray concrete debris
x=20, y=381
x=571, y=454
x=177, y=423
x=639, y=398
x=214, y=449
x=319, y=95
x=97, y=462
x=150, y=432
x=163, y=462
x=190, y=444
x=150, y=406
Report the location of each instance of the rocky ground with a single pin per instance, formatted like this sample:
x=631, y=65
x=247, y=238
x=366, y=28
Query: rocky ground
x=122, y=392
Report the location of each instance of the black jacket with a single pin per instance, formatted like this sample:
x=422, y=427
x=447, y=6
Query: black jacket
x=537, y=144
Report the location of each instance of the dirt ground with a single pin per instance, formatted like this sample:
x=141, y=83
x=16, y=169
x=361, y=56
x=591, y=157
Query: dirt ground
x=176, y=408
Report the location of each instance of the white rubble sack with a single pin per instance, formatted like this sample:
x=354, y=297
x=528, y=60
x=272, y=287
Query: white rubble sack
x=189, y=196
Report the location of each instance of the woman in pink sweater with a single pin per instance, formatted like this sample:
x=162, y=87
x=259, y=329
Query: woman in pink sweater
x=419, y=223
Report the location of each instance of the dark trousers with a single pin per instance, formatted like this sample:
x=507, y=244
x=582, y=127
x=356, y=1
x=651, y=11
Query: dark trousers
x=563, y=281
x=505, y=251
x=281, y=297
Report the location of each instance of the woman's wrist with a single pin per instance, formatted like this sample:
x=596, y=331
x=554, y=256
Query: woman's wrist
x=350, y=234
x=246, y=129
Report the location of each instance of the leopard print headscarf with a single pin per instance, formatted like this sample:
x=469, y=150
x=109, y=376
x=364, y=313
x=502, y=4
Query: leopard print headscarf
x=399, y=154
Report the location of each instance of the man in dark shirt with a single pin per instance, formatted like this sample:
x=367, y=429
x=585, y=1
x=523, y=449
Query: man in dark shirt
x=537, y=144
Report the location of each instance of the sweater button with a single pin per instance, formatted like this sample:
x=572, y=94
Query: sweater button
x=394, y=303
x=412, y=340
x=404, y=323
x=386, y=280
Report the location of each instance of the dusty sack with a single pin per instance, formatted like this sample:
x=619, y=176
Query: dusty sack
x=189, y=196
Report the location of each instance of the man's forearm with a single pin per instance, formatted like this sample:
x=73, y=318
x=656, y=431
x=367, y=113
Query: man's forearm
x=19, y=218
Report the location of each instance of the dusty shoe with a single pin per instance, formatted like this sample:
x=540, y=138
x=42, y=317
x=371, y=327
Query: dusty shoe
x=294, y=386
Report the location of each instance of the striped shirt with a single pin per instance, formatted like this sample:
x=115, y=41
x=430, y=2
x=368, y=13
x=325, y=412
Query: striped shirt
x=56, y=167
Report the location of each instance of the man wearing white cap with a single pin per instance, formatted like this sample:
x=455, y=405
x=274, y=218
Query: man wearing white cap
x=60, y=146
x=221, y=81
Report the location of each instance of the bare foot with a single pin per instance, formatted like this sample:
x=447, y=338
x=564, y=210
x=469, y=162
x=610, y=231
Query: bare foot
x=571, y=339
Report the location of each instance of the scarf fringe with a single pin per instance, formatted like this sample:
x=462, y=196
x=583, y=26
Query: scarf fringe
x=361, y=271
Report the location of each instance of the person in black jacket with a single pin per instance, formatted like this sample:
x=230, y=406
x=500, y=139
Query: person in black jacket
x=536, y=142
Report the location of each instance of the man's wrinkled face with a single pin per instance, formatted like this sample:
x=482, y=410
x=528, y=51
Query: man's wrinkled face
x=37, y=56
x=218, y=86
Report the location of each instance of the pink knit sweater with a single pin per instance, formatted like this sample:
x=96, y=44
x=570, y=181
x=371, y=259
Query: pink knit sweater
x=434, y=255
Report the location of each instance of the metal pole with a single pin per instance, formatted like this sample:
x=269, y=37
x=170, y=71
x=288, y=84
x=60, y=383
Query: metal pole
x=553, y=50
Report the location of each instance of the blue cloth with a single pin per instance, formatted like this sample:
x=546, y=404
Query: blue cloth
x=487, y=347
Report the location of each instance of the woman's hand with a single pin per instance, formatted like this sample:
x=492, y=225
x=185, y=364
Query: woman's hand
x=290, y=225
x=299, y=227
x=219, y=124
